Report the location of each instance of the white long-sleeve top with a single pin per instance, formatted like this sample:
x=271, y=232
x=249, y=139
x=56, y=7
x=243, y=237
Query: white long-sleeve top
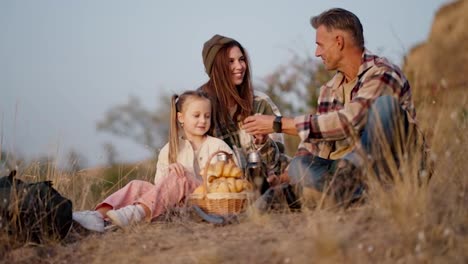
x=187, y=156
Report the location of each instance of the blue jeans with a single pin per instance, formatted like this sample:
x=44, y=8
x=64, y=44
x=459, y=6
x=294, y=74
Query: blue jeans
x=385, y=115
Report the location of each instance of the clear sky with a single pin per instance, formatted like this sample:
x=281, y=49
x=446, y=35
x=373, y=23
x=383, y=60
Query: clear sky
x=64, y=63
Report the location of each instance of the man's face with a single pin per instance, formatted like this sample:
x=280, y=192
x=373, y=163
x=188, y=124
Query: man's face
x=327, y=47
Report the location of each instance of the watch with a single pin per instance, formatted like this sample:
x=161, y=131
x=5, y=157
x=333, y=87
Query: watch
x=277, y=124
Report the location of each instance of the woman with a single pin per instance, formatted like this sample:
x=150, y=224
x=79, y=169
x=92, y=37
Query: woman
x=230, y=89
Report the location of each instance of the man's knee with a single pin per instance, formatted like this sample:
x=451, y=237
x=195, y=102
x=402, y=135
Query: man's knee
x=309, y=171
x=297, y=168
x=386, y=120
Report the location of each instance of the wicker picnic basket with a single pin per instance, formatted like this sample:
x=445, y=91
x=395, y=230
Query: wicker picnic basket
x=220, y=203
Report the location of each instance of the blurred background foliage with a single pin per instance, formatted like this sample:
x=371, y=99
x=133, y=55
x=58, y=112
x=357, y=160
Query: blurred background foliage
x=293, y=86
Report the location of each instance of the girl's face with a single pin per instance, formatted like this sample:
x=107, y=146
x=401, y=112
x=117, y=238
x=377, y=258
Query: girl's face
x=195, y=117
x=237, y=65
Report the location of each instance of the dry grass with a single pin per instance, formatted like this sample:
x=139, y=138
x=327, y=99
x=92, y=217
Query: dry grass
x=407, y=223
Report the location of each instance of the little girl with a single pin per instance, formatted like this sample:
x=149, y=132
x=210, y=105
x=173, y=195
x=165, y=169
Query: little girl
x=177, y=170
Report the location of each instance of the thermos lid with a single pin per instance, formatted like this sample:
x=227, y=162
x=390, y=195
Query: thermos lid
x=253, y=157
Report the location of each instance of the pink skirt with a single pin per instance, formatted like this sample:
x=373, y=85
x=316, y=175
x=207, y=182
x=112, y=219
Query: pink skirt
x=166, y=193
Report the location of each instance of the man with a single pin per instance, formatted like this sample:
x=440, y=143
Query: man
x=365, y=110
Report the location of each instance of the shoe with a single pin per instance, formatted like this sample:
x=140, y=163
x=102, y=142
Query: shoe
x=291, y=198
x=127, y=215
x=91, y=220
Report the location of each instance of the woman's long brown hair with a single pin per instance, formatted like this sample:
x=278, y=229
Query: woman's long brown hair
x=178, y=104
x=222, y=90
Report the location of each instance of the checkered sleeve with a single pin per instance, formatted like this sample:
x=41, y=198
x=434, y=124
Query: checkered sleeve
x=337, y=125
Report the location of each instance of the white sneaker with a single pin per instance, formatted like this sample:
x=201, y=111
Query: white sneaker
x=127, y=215
x=91, y=220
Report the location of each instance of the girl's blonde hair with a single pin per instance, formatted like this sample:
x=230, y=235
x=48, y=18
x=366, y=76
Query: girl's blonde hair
x=178, y=103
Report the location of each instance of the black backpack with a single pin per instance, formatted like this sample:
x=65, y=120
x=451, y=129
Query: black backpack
x=33, y=211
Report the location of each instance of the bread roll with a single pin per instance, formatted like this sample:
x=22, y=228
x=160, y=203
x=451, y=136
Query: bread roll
x=247, y=185
x=219, y=165
x=213, y=187
x=239, y=185
x=231, y=184
x=222, y=188
x=228, y=168
x=214, y=181
x=211, y=178
x=236, y=172
x=211, y=170
x=199, y=190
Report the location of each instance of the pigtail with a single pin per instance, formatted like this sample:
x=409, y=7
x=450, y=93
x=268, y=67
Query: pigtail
x=173, y=131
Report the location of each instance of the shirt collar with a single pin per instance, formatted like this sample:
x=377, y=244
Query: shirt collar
x=367, y=61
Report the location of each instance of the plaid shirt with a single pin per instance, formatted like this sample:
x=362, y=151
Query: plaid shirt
x=335, y=120
x=242, y=143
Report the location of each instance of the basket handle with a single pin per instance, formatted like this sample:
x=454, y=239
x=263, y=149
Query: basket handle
x=205, y=173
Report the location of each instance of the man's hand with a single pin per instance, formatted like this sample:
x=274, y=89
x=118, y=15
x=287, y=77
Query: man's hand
x=177, y=168
x=259, y=124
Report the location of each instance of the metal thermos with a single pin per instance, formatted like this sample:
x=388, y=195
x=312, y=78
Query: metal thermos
x=253, y=158
x=255, y=170
x=253, y=167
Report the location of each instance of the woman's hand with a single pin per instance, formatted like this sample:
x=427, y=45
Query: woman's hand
x=260, y=139
x=274, y=180
x=177, y=168
x=259, y=124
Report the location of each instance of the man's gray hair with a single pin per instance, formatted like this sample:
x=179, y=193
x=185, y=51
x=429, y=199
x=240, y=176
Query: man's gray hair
x=338, y=18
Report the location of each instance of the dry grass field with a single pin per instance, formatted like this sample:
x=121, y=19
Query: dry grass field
x=407, y=223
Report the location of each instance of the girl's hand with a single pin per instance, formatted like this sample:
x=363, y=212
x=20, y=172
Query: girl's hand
x=177, y=168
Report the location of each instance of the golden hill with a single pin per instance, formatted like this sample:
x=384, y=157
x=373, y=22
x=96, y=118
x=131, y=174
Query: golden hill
x=442, y=61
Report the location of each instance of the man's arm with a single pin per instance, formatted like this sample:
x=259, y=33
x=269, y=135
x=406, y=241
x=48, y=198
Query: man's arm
x=263, y=124
x=289, y=126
